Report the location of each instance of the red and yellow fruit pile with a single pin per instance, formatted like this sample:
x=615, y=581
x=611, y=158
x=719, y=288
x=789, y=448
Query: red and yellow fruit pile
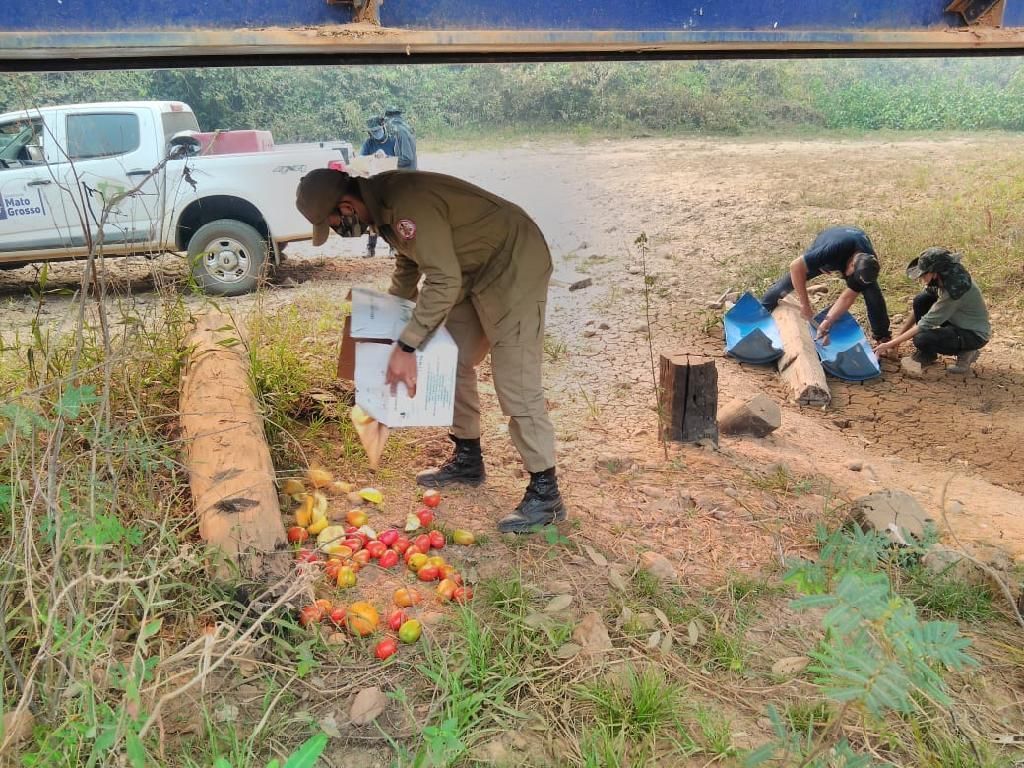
x=342, y=550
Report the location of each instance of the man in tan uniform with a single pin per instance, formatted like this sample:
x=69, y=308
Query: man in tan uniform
x=485, y=268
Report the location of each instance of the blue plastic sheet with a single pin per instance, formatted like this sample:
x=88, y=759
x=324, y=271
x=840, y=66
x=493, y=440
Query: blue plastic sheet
x=751, y=335
x=848, y=355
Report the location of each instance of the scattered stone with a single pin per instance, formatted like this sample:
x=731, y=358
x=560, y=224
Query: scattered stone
x=855, y=466
x=955, y=507
x=329, y=725
x=288, y=282
x=583, y=282
x=558, y=603
x=337, y=638
x=843, y=423
x=583, y=246
x=367, y=706
x=893, y=512
x=758, y=416
x=614, y=464
x=604, y=326
x=567, y=651
x=719, y=514
x=589, y=333
x=18, y=726
x=616, y=579
x=658, y=566
x=791, y=665
x=946, y=561
x=635, y=269
x=226, y=713
x=911, y=367
x=592, y=635
x=571, y=280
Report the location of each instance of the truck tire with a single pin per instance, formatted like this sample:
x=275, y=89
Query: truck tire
x=227, y=257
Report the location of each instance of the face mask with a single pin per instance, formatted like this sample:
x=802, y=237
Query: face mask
x=350, y=227
x=378, y=134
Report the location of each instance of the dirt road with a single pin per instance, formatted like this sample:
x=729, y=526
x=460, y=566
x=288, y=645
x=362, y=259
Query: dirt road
x=707, y=207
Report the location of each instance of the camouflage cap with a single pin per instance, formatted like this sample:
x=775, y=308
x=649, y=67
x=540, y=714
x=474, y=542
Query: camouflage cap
x=935, y=259
x=317, y=198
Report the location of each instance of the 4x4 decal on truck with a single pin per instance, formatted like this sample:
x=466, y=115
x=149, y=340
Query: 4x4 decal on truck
x=19, y=205
x=289, y=169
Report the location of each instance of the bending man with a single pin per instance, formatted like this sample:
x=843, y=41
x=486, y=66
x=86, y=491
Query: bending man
x=485, y=268
x=848, y=251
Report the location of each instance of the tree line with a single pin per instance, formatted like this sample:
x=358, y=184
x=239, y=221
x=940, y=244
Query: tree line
x=714, y=97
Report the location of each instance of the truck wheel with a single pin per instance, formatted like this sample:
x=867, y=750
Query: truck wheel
x=228, y=257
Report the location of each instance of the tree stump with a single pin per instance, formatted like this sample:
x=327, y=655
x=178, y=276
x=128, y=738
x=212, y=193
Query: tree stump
x=689, y=398
x=231, y=475
x=799, y=365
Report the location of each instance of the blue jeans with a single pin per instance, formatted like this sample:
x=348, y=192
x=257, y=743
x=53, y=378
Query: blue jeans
x=878, y=313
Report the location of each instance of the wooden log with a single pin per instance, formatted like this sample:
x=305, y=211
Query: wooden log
x=226, y=453
x=799, y=365
x=689, y=398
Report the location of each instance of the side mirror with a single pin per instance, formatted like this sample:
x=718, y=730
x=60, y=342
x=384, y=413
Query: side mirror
x=183, y=144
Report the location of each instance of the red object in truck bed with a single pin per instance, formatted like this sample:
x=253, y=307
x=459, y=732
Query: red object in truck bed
x=235, y=142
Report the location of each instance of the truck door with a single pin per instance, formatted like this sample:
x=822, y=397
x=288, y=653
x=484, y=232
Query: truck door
x=27, y=189
x=110, y=153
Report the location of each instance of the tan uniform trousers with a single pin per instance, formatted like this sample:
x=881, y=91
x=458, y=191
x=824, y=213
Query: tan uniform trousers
x=516, y=345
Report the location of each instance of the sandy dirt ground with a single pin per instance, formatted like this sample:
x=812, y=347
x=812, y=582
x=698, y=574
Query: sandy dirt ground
x=707, y=207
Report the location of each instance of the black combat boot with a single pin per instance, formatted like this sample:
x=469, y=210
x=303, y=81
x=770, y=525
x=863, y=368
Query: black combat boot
x=542, y=505
x=465, y=467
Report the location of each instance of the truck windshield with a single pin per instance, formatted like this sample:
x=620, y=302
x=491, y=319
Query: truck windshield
x=14, y=137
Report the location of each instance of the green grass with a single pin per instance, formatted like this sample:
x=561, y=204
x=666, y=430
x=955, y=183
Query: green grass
x=947, y=596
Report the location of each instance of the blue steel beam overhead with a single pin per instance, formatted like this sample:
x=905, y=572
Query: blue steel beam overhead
x=40, y=34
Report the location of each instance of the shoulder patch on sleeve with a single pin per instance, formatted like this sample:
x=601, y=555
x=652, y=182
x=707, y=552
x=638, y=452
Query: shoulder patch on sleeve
x=406, y=229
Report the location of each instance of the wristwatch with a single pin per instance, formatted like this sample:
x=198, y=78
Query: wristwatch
x=405, y=347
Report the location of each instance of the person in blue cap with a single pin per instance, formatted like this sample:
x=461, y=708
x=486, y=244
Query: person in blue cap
x=847, y=251
x=381, y=142
x=949, y=316
x=405, y=138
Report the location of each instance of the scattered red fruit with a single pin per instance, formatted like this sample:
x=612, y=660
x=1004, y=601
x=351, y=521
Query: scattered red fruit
x=428, y=573
x=385, y=648
x=389, y=559
x=354, y=543
x=446, y=589
x=405, y=597
x=307, y=556
x=425, y=516
x=310, y=614
x=436, y=539
x=432, y=498
x=362, y=619
x=447, y=571
x=388, y=537
x=422, y=543
x=331, y=569
x=462, y=595
x=337, y=616
x=361, y=558
x=297, y=534
x=376, y=549
x=396, y=619
x=401, y=544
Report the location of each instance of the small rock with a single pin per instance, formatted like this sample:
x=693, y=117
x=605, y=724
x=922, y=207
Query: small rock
x=855, y=466
x=955, y=507
x=614, y=464
x=946, y=561
x=592, y=635
x=758, y=416
x=226, y=713
x=791, y=665
x=583, y=246
x=843, y=423
x=336, y=638
x=893, y=512
x=635, y=269
x=604, y=326
x=288, y=283
x=18, y=726
x=367, y=706
x=589, y=333
x=658, y=566
x=583, y=282
x=911, y=367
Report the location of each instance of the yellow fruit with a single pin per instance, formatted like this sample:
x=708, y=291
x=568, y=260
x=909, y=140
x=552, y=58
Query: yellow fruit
x=346, y=578
x=356, y=517
x=463, y=538
x=359, y=416
x=362, y=618
x=337, y=549
x=317, y=526
x=339, y=487
x=292, y=487
x=330, y=534
x=371, y=495
x=304, y=514
x=417, y=561
x=437, y=561
x=319, y=478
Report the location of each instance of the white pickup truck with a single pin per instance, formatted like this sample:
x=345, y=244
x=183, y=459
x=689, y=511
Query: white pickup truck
x=62, y=169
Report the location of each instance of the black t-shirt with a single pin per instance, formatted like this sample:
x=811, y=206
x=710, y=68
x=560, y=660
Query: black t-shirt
x=833, y=248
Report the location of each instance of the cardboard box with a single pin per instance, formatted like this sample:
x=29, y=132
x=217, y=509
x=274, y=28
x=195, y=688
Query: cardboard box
x=370, y=330
x=369, y=165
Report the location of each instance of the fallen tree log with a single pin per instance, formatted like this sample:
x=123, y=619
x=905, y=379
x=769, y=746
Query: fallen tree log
x=231, y=475
x=799, y=365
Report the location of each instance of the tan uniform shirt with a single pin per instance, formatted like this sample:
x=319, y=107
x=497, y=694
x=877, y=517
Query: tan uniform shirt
x=464, y=241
